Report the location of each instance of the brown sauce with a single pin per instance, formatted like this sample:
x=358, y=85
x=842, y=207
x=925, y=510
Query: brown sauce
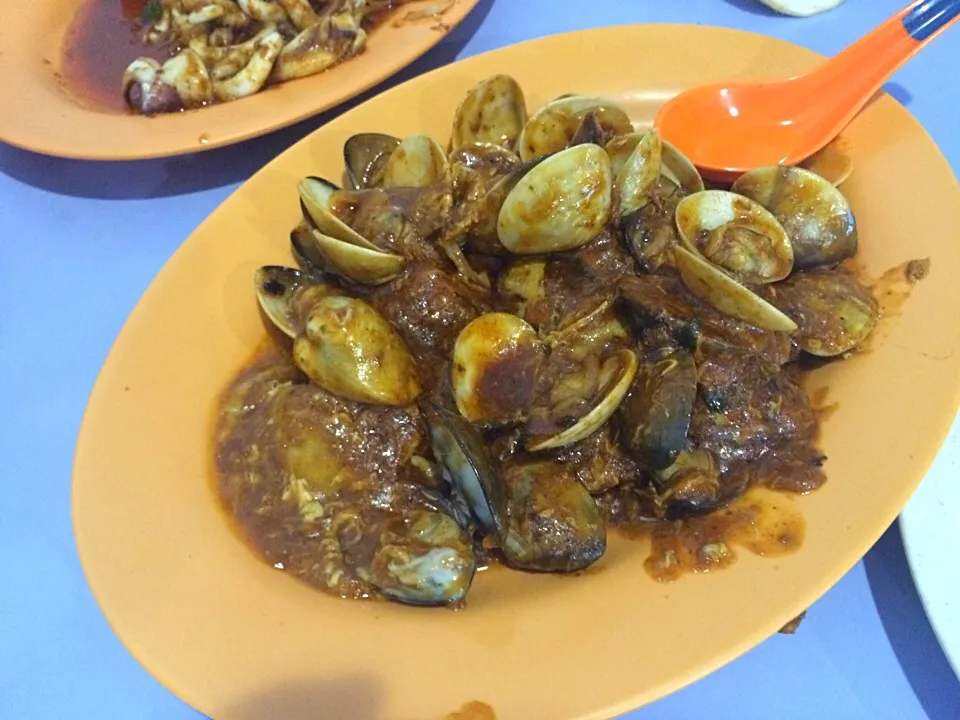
x=763, y=521
x=103, y=39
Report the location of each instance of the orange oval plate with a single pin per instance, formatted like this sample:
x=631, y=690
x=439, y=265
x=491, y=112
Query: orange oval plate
x=46, y=119
x=237, y=639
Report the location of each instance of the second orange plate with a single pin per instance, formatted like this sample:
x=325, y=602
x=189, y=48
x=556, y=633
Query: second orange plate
x=47, y=119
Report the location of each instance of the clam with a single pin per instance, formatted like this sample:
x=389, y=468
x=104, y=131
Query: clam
x=364, y=156
x=676, y=170
x=814, y=213
x=655, y=416
x=736, y=234
x=286, y=296
x=468, y=467
x=494, y=111
x=495, y=362
x=616, y=375
x=350, y=350
x=339, y=246
x=640, y=172
x=719, y=290
x=483, y=235
x=834, y=312
x=418, y=161
x=318, y=200
x=536, y=510
x=554, y=126
x=420, y=557
x=360, y=264
x=560, y=204
x=691, y=485
x=552, y=524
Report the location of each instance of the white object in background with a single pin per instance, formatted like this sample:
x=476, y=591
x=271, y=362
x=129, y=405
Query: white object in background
x=801, y=8
x=931, y=539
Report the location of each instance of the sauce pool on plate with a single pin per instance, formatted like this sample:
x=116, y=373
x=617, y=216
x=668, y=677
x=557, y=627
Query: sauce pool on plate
x=104, y=37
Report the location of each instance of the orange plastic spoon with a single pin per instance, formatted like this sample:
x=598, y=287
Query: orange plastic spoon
x=729, y=128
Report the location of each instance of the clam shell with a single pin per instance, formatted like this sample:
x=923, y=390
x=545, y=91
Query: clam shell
x=736, y=234
x=834, y=312
x=679, y=170
x=640, y=172
x=418, y=161
x=278, y=289
x=814, y=213
x=358, y=263
x=350, y=350
x=655, y=417
x=364, y=157
x=461, y=450
x=553, y=126
x=719, y=290
x=496, y=358
x=560, y=204
x=494, y=111
x=317, y=199
x=620, y=369
x=674, y=165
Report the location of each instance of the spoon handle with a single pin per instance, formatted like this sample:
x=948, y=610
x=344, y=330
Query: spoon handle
x=924, y=20
x=862, y=68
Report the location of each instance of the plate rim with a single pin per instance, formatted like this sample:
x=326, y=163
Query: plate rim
x=12, y=135
x=910, y=529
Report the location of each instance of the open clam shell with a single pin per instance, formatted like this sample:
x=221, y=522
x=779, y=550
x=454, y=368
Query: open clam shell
x=736, y=234
x=318, y=199
x=360, y=264
x=617, y=374
x=418, y=161
x=560, y=204
x=496, y=358
x=554, y=126
x=834, y=312
x=814, y=213
x=679, y=170
x=286, y=296
x=721, y=291
x=494, y=111
x=365, y=156
x=675, y=168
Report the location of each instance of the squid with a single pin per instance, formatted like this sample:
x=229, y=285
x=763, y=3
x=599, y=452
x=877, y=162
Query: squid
x=181, y=83
x=233, y=48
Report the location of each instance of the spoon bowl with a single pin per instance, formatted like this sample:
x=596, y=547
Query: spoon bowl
x=728, y=128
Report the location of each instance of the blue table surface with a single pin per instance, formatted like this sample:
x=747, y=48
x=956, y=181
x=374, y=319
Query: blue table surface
x=80, y=242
